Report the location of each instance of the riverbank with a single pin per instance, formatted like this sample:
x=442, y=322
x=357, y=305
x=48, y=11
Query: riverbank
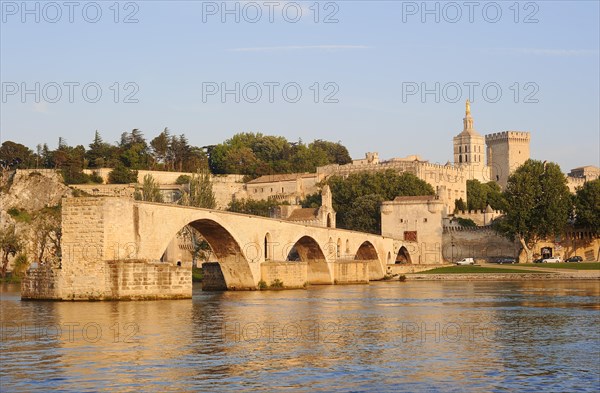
x=501, y=277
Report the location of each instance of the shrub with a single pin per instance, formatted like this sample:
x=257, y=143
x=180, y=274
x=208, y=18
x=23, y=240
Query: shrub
x=277, y=283
x=402, y=278
x=262, y=285
x=466, y=222
x=21, y=265
x=122, y=175
x=183, y=179
x=19, y=215
x=96, y=178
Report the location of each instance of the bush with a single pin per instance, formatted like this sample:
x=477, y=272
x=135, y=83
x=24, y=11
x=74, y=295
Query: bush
x=122, y=175
x=262, y=285
x=73, y=175
x=402, y=278
x=19, y=215
x=466, y=222
x=277, y=283
x=21, y=265
x=96, y=178
x=183, y=179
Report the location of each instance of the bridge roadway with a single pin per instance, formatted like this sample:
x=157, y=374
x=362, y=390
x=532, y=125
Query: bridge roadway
x=112, y=249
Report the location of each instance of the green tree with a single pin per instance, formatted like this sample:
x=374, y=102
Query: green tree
x=476, y=195
x=385, y=184
x=255, y=154
x=537, y=204
x=480, y=195
x=587, y=206
x=160, y=147
x=150, y=190
x=20, y=265
x=122, y=175
x=16, y=155
x=336, y=153
x=363, y=214
x=200, y=192
x=459, y=205
x=10, y=245
x=250, y=206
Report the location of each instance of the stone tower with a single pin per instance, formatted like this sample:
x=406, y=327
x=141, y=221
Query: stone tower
x=469, y=149
x=326, y=211
x=506, y=151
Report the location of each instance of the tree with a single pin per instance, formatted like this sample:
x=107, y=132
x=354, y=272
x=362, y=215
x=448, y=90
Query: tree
x=336, y=153
x=480, y=195
x=122, y=175
x=160, y=147
x=16, y=155
x=250, y=206
x=459, y=205
x=200, y=193
x=537, y=204
x=47, y=233
x=363, y=215
x=10, y=245
x=150, y=191
x=385, y=184
x=587, y=206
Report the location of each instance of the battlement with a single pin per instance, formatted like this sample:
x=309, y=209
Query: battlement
x=522, y=136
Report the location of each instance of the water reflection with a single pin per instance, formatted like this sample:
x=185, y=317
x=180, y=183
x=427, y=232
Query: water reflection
x=453, y=336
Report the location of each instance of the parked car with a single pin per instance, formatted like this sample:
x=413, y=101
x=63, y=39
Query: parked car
x=552, y=260
x=503, y=260
x=539, y=260
x=466, y=261
x=575, y=258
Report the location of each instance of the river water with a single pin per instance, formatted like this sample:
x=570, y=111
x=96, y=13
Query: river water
x=386, y=336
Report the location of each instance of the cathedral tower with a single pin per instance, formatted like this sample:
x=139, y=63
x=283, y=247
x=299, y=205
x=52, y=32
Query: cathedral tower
x=469, y=150
x=469, y=146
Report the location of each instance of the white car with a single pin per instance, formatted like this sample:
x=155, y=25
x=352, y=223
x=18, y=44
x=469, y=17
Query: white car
x=552, y=260
x=466, y=261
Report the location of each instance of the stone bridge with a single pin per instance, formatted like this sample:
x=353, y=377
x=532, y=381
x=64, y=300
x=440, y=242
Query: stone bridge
x=116, y=248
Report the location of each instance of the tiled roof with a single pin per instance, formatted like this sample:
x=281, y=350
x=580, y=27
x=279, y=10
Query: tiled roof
x=304, y=214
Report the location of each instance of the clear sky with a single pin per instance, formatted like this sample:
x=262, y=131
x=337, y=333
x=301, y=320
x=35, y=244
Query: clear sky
x=366, y=70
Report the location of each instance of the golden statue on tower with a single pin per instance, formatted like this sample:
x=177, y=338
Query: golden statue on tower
x=468, y=107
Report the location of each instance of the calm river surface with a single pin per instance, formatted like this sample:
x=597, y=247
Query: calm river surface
x=386, y=336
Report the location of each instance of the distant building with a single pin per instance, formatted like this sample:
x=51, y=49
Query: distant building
x=323, y=216
x=578, y=176
x=415, y=219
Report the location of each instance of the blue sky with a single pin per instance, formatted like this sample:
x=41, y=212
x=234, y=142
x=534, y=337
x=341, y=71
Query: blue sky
x=369, y=58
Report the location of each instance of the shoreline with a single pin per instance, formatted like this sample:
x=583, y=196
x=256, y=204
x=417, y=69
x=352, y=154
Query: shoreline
x=591, y=275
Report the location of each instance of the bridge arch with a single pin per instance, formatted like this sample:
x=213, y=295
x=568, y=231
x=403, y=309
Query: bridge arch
x=368, y=252
x=235, y=271
x=403, y=256
x=308, y=250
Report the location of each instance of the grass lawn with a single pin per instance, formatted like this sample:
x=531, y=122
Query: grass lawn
x=472, y=269
x=574, y=266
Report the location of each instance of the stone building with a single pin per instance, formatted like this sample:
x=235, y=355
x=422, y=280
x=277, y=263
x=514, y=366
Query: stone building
x=578, y=176
x=506, y=151
x=323, y=216
x=469, y=149
x=416, y=219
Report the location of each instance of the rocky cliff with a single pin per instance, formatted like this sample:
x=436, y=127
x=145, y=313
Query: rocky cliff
x=30, y=200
